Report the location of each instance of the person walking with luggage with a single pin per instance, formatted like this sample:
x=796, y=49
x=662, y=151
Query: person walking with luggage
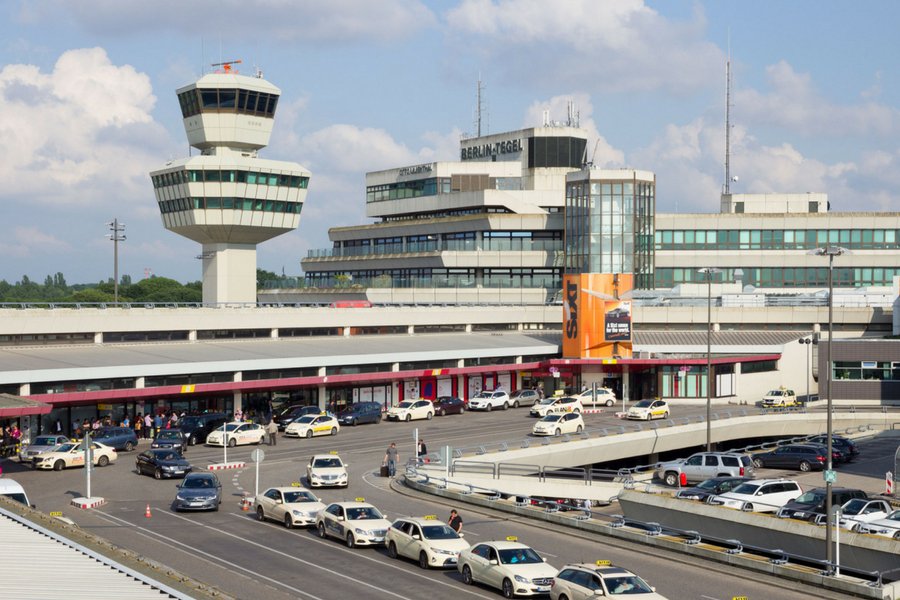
x=455, y=521
x=391, y=456
x=272, y=430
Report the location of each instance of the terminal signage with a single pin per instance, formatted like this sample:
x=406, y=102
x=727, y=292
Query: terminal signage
x=596, y=323
x=481, y=151
x=416, y=170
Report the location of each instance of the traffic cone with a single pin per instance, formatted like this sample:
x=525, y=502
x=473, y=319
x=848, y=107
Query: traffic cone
x=147, y=512
x=245, y=503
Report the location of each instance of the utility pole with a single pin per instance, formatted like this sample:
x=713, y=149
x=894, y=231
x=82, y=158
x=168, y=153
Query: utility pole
x=117, y=235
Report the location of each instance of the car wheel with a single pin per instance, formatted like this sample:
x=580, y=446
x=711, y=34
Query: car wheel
x=508, y=591
x=805, y=466
x=578, y=429
x=897, y=535
x=563, y=597
x=609, y=402
x=232, y=443
x=747, y=507
x=557, y=432
x=308, y=433
x=353, y=423
x=334, y=431
x=102, y=461
x=423, y=560
x=462, y=409
x=192, y=440
x=665, y=415
x=408, y=418
x=467, y=575
x=288, y=522
x=442, y=413
x=260, y=514
x=321, y=528
x=515, y=404
x=489, y=408
x=351, y=542
x=648, y=417
x=506, y=406
x=59, y=465
x=157, y=473
x=129, y=446
x=758, y=463
x=671, y=479
x=429, y=416
x=577, y=410
x=378, y=419
x=392, y=550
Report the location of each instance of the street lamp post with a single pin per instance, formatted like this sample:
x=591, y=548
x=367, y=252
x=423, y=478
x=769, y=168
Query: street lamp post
x=809, y=342
x=709, y=273
x=830, y=252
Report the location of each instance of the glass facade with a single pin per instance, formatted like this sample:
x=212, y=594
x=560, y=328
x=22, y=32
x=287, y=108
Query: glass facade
x=545, y=152
x=783, y=277
x=776, y=239
x=247, y=102
x=609, y=228
x=866, y=370
x=229, y=176
x=230, y=203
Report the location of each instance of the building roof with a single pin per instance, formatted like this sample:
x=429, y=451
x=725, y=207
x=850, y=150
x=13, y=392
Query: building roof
x=16, y=406
x=764, y=340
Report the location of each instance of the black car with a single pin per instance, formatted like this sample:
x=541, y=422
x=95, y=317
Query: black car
x=162, y=463
x=848, y=449
x=812, y=503
x=803, y=457
x=293, y=413
x=120, y=438
x=198, y=491
x=710, y=487
x=448, y=405
x=196, y=427
x=361, y=412
x=171, y=439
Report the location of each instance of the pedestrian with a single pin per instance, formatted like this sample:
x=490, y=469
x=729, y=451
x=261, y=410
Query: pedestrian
x=455, y=521
x=57, y=427
x=138, y=425
x=148, y=426
x=126, y=422
x=272, y=430
x=157, y=423
x=421, y=450
x=391, y=456
x=238, y=415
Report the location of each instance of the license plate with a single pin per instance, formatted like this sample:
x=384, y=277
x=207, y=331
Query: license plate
x=543, y=588
x=196, y=504
x=178, y=472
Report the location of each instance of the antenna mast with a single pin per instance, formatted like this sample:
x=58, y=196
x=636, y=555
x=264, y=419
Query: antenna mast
x=479, y=106
x=727, y=188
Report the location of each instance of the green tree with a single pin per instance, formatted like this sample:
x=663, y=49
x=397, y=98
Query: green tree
x=92, y=295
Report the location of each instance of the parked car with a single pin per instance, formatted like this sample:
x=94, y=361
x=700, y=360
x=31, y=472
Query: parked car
x=449, y=405
x=780, y=397
x=426, y=540
x=71, y=454
x=40, y=445
x=293, y=506
x=860, y=511
x=649, y=409
x=802, y=457
x=577, y=581
x=559, y=423
x=172, y=439
x=196, y=427
x=514, y=568
x=198, y=491
x=489, y=400
x=409, y=410
x=237, y=433
x=294, y=413
x=558, y=405
x=704, y=465
x=162, y=463
x=309, y=425
x=811, y=504
x=526, y=397
x=119, y=438
x=14, y=491
x=759, y=495
x=359, y=413
x=847, y=447
x=605, y=397
x=711, y=487
x=886, y=527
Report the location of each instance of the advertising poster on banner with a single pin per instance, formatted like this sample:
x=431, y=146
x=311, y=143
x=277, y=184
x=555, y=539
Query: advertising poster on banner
x=617, y=322
x=411, y=390
x=596, y=321
x=444, y=387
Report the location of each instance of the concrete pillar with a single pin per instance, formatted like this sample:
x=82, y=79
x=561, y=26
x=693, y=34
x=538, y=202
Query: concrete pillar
x=238, y=401
x=626, y=386
x=323, y=398
x=98, y=337
x=346, y=332
x=274, y=333
x=25, y=389
x=238, y=376
x=140, y=382
x=192, y=335
x=410, y=329
x=468, y=328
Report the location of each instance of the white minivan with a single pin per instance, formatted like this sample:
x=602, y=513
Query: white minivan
x=12, y=490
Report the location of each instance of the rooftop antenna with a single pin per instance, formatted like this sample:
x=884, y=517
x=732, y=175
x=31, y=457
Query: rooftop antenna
x=479, y=105
x=573, y=116
x=727, y=187
x=227, y=66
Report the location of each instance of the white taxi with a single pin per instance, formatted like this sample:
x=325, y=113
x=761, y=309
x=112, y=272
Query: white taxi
x=411, y=409
x=886, y=527
x=237, y=433
x=780, y=397
x=557, y=405
x=509, y=566
x=71, y=454
x=310, y=425
x=426, y=540
x=357, y=523
x=559, y=424
x=577, y=581
x=605, y=396
x=326, y=470
x=649, y=409
x=293, y=506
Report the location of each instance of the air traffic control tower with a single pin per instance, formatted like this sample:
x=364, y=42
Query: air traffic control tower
x=227, y=198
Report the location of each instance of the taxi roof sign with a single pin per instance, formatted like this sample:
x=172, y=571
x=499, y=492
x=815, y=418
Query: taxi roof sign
x=360, y=499
x=296, y=484
x=431, y=517
x=512, y=538
x=602, y=563
x=333, y=452
x=56, y=513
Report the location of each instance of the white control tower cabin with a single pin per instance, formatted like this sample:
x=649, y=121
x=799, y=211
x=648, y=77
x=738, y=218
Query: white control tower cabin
x=227, y=198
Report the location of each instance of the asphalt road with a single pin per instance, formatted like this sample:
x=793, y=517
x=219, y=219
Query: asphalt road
x=249, y=559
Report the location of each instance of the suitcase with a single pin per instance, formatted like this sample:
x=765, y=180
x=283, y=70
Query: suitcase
x=384, y=471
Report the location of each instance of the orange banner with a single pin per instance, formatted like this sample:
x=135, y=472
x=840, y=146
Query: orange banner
x=597, y=315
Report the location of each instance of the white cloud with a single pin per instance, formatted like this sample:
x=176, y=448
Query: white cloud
x=26, y=242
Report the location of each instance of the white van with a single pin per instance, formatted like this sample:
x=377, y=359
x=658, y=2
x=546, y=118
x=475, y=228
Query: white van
x=13, y=491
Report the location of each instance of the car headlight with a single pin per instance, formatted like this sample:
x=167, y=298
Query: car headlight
x=521, y=579
x=690, y=497
x=181, y=498
x=300, y=513
x=442, y=551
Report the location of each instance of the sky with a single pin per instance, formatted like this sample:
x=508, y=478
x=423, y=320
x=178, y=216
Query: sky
x=88, y=105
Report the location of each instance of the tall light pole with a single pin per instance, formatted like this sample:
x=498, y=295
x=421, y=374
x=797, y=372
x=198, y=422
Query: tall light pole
x=830, y=252
x=709, y=273
x=117, y=235
x=809, y=342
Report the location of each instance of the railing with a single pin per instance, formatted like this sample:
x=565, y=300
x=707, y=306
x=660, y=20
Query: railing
x=486, y=245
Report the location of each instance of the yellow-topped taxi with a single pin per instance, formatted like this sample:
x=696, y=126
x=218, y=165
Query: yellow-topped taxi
x=357, y=523
x=237, y=433
x=293, y=506
x=649, y=409
x=308, y=426
x=584, y=580
x=558, y=424
x=71, y=454
x=512, y=567
x=425, y=539
x=326, y=470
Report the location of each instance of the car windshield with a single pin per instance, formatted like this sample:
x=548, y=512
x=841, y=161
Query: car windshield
x=894, y=516
x=853, y=507
x=811, y=497
x=306, y=419
x=483, y=395
x=229, y=427
x=67, y=447
x=439, y=532
x=363, y=512
x=327, y=463
x=515, y=556
x=547, y=401
x=103, y=433
x=299, y=496
x=551, y=418
x=629, y=584
x=198, y=483
x=190, y=421
x=709, y=484
x=643, y=404
x=166, y=456
x=774, y=393
x=44, y=440
x=745, y=488
x=169, y=435
x=405, y=405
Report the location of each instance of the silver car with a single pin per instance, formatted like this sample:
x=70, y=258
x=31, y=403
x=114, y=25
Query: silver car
x=40, y=445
